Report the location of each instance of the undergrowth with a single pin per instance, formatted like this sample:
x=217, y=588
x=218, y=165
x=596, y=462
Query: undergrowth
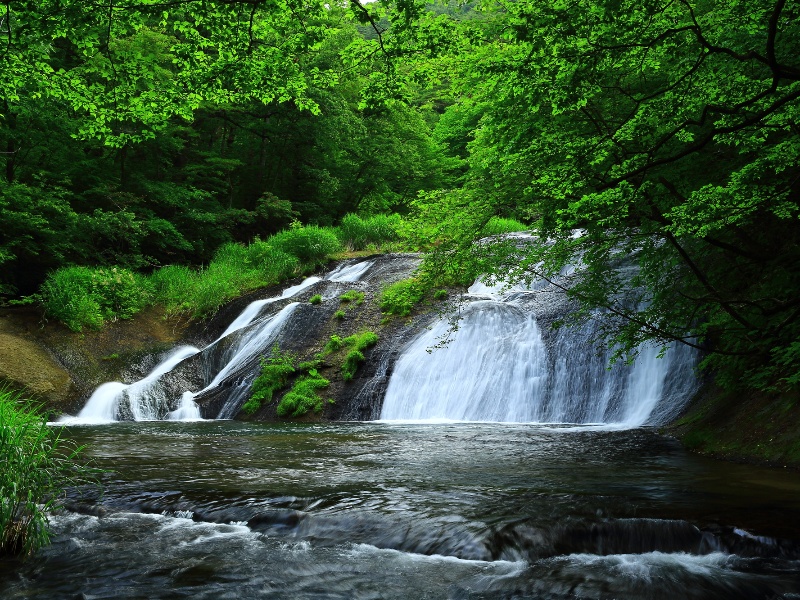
x=37, y=465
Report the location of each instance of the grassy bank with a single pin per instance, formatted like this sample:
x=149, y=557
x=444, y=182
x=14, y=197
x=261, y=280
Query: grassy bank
x=87, y=297
x=743, y=426
x=37, y=465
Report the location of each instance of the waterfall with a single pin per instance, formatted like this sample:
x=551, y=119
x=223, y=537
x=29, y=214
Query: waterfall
x=499, y=366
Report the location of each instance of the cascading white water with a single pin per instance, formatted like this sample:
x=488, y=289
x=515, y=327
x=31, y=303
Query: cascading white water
x=104, y=404
x=493, y=370
x=498, y=367
x=252, y=335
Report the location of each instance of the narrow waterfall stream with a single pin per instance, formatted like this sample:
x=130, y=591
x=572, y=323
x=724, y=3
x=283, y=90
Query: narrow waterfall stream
x=510, y=464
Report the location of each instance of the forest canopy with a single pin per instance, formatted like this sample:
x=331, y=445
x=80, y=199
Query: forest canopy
x=662, y=135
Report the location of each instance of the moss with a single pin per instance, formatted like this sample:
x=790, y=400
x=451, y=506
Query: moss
x=303, y=397
x=353, y=296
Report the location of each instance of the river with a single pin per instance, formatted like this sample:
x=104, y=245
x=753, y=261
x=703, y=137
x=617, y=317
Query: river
x=224, y=509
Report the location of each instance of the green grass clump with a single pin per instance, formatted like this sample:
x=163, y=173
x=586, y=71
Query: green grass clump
x=339, y=314
x=37, y=465
x=357, y=343
x=303, y=397
x=234, y=270
x=401, y=297
x=315, y=299
x=377, y=231
x=499, y=226
x=275, y=372
x=350, y=365
x=310, y=244
x=353, y=296
x=87, y=297
x=334, y=344
x=361, y=341
x=440, y=295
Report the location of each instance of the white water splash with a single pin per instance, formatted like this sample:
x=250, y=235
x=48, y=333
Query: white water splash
x=253, y=309
x=498, y=368
x=349, y=273
x=493, y=370
x=104, y=403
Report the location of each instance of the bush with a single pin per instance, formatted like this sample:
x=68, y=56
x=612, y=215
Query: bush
x=499, y=226
x=399, y=298
x=234, y=270
x=303, y=397
x=350, y=364
x=174, y=286
x=352, y=296
x=36, y=467
x=339, y=314
x=334, y=344
x=361, y=341
x=86, y=297
x=275, y=372
x=357, y=233
x=315, y=299
x=440, y=295
x=310, y=244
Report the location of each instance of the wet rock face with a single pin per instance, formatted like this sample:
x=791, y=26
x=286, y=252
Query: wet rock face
x=26, y=365
x=305, y=333
x=221, y=357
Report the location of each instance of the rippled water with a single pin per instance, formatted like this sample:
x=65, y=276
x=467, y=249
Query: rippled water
x=380, y=510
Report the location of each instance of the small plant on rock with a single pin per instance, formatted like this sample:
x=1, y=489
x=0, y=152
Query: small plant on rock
x=353, y=296
x=275, y=373
x=303, y=397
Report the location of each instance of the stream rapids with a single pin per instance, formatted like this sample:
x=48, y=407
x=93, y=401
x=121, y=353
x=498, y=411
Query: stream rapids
x=381, y=510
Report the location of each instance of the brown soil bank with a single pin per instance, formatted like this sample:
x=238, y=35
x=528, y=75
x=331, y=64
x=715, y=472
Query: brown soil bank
x=49, y=363
x=750, y=427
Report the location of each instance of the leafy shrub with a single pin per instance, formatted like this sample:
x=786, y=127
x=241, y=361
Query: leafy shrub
x=399, y=298
x=358, y=343
x=310, y=244
x=173, y=286
x=352, y=296
x=234, y=270
x=274, y=264
x=357, y=233
x=86, y=297
x=361, y=341
x=275, y=372
x=308, y=365
x=315, y=299
x=339, y=314
x=440, y=294
x=303, y=397
x=36, y=467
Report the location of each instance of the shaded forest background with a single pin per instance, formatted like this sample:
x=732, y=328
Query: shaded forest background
x=661, y=135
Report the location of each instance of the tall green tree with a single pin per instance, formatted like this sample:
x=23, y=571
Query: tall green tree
x=663, y=133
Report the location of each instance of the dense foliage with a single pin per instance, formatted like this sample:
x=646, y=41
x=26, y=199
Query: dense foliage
x=37, y=466
x=660, y=135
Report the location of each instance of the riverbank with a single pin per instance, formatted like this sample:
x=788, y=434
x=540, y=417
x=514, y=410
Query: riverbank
x=745, y=427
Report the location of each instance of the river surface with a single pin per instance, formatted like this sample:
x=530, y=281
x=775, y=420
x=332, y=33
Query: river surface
x=409, y=511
